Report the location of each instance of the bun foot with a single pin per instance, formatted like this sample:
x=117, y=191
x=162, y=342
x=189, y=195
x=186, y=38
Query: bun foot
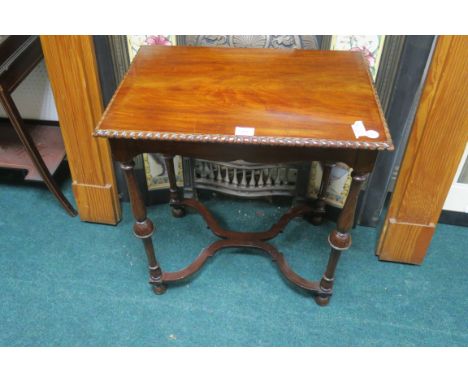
x=316, y=219
x=178, y=212
x=159, y=289
x=322, y=300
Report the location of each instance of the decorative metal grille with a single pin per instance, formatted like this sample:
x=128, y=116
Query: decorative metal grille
x=246, y=179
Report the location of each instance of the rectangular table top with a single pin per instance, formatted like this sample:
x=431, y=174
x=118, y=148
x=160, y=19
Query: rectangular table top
x=250, y=96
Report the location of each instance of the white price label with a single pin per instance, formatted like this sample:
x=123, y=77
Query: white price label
x=241, y=130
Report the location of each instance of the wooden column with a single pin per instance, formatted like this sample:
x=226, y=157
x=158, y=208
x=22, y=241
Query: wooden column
x=72, y=69
x=436, y=144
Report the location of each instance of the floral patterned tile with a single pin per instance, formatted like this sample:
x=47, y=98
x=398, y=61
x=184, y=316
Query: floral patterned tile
x=135, y=41
x=370, y=45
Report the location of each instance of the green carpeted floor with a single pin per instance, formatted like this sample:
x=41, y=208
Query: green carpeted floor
x=68, y=283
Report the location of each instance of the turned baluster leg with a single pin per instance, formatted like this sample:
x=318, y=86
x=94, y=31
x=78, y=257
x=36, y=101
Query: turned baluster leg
x=143, y=227
x=340, y=238
x=177, y=210
x=318, y=211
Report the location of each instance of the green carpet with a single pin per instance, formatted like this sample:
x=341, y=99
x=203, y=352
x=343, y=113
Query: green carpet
x=68, y=283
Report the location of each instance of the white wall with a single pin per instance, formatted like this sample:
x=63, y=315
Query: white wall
x=34, y=98
x=457, y=198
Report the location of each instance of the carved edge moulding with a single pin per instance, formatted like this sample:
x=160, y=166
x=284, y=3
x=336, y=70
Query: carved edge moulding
x=293, y=142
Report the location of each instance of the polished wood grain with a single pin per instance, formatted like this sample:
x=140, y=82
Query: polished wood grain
x=435, y=147
x=290, y=97
x=72, y=71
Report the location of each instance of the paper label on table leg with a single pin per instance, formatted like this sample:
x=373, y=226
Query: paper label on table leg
x=242, y=130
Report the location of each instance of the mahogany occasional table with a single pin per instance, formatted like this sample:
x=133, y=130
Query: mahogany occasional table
x=259, y=105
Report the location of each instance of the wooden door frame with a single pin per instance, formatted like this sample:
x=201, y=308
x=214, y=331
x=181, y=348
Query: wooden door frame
x=436, y=144
x=72, y=69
